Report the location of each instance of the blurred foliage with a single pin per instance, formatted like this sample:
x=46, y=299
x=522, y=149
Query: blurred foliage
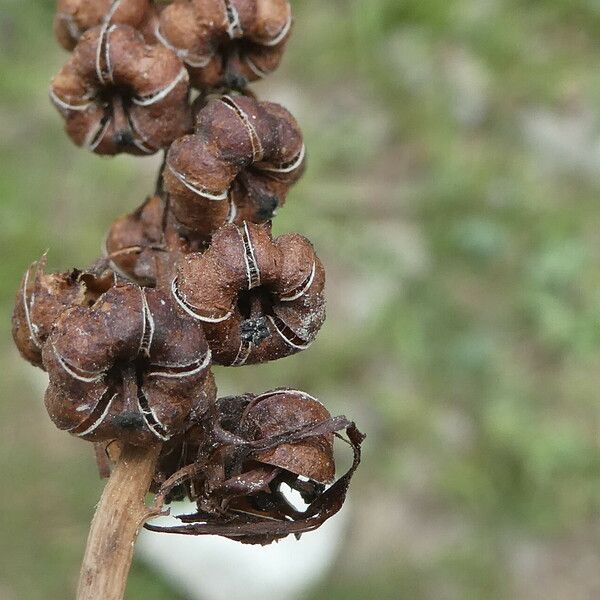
x=452, y=193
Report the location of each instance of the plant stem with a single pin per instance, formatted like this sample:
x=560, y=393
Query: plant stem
x=119, y=516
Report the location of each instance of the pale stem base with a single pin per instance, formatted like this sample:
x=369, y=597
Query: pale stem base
x=117, y=521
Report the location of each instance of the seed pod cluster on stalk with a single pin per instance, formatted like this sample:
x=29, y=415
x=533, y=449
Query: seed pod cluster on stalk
x=193, y=277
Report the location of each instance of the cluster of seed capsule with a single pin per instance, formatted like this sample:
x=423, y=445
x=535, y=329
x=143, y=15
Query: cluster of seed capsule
x=133, y=62
x=193, y=277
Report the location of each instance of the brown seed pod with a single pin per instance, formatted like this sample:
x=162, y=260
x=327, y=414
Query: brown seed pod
x=237, y=469
x=74, y=17
x=259, y=299
x=118, y=94
x=133, y=367
x=42, y=298
x=267, y=424
x=144, y=247
x=226, y=43
x=133, y=241
x=238, y=166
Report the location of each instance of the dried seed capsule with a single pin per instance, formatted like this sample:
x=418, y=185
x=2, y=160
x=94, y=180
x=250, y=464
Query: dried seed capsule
x=74, y=17
x=238, y=166
x=226, y=42
x=132, y=239
x=133, y=367
x=275, y=427
x=282, y=411
x=259, y=299
x=236, y=466
x=42, y=298
x=118, y=94
x=144, y=247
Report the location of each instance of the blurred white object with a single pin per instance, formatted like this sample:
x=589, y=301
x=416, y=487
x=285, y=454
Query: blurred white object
x=568, y=141
x=214, y=568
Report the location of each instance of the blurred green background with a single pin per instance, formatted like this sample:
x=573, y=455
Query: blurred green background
x=453, y=195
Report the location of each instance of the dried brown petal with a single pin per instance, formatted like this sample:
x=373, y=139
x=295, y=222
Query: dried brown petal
x=226, y=42
x=281, y=411
x=238, y=166
x=133, y=367
x=118, y=94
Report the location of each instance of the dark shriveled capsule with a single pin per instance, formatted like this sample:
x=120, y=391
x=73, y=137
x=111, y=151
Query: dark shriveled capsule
x=240, y=465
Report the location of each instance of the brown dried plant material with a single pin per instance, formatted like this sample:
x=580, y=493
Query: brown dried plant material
x=192, y=274
x=276, y=413
x=133, y=367
x=254, y=446
x=42, y=298
x=238, y=166
x=118, y=94
x=133, y=241
x=226, y=43
x=144, y=247
x=74, y=17
x=259, y=299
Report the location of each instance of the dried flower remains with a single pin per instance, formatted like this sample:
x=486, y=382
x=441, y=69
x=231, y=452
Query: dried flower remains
x=241, y=470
